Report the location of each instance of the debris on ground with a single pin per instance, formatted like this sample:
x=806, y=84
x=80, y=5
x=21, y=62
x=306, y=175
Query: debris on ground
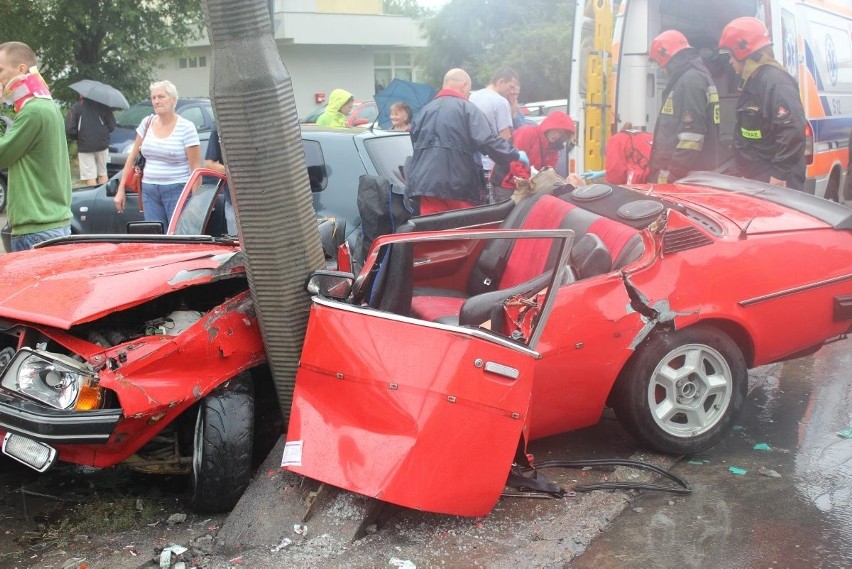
x=176, y=519
x=846, y=433
x=736, y=470
x=170, y=550
x=762, y=446
x=768, y=472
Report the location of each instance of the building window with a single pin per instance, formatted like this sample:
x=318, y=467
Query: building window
x=386, y=66
x=185, y=62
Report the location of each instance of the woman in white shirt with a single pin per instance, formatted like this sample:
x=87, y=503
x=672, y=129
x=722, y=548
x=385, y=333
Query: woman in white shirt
x=172, y=151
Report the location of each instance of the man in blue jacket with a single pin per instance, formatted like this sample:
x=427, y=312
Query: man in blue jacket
x=446, y=171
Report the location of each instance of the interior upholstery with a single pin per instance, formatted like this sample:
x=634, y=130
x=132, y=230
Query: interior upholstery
x=601, y=245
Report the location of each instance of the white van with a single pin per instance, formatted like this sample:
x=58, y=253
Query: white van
x=812, y=38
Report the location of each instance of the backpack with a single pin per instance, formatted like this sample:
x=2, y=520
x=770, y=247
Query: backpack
x=628, y=157
x=383, y=207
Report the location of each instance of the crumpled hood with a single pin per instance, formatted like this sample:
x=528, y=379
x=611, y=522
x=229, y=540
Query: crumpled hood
x=66, y=285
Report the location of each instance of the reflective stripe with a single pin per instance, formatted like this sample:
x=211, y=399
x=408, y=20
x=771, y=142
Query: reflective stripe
x=751, y=134
x=693, y=136
x=690, y=141
x=689, y=145
x=712, y=95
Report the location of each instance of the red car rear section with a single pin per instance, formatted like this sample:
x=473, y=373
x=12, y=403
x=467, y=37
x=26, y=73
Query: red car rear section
x=721, y=275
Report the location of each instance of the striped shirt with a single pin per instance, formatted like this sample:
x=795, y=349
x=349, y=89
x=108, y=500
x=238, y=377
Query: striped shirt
x=165, y=158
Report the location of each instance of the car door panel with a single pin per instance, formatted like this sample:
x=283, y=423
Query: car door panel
x=410, y=426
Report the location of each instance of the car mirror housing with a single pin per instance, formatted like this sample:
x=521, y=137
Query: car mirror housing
x=112, y=186
x=330, y=284
x=145, y=228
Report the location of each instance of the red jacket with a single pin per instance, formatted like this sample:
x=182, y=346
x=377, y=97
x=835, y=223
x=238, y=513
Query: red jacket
x=532, y=140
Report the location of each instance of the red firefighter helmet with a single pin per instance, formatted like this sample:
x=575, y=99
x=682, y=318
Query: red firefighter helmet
x=666, y=45
x=744, y=36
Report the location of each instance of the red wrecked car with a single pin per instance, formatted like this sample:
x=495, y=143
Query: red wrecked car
x=139, y=349
x=450, y=348
x=454, y=347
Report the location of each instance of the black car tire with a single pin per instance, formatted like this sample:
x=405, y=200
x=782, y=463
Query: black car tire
x=682, y=391
x=222, y=449
x=3, y=193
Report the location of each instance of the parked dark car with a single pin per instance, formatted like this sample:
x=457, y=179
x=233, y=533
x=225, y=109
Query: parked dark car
x=336, y=159
x=198, y=111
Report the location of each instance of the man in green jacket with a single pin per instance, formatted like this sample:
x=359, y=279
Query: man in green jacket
x=339, y=104
x=35, y=152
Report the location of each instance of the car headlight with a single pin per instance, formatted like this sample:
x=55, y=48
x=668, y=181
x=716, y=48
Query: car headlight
x=52, y=379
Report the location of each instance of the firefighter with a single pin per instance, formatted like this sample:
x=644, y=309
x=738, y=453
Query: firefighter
x=686, y=136
x=769, y=136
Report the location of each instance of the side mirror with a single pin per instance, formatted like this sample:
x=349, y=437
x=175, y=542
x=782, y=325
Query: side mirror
x=360, y=122
x=112, y=186
x=330, y=284
x=145, y=228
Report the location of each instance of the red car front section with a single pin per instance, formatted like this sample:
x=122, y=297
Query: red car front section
x=157, y=326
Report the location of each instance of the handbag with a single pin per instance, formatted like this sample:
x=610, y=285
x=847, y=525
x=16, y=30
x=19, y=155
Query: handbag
x=133, y=180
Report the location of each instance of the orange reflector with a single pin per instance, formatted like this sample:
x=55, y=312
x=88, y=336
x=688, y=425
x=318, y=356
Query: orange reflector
x=90, y=398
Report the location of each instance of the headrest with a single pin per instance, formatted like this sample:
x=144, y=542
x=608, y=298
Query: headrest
x=590, y=256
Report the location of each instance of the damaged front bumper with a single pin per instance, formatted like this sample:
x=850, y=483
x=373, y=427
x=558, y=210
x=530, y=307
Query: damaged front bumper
x=56, y=426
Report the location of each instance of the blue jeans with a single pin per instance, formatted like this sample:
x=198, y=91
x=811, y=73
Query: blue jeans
x=28, y=240
x=159, y=201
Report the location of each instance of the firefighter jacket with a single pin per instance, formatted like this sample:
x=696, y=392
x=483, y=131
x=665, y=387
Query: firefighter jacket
x=686, y=136
x=769, y=137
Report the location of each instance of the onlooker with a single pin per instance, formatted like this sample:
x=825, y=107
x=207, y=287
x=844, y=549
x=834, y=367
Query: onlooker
x=339, y=104
x=450, y=132
x=35, y=151
x=400, y=116
x=769, y=136
x=494, y=101
x=214, y=160
x=172, y=151
x=542, y=144
x=686, y=136
x=519, y=119
x=89, y=123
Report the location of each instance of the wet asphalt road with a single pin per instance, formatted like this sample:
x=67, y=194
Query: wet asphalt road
x=801, y=520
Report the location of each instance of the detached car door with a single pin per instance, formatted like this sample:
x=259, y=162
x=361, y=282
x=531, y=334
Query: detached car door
x=405, y=411
x=417, y=413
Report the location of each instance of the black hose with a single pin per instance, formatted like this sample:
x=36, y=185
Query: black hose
x=682, y=486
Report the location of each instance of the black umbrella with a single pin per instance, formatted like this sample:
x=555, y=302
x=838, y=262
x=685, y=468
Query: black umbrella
x=101, y=93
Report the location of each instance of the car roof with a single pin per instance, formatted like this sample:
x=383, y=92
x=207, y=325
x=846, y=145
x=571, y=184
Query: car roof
x=354, y=131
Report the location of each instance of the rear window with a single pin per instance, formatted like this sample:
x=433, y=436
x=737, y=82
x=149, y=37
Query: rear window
x=317, y=172
x=194, y=115
x=388, y=154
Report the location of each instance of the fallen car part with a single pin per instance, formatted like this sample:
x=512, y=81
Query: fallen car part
x=681, y=485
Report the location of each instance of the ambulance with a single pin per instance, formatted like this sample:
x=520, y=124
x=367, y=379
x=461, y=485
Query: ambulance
x=615, y=84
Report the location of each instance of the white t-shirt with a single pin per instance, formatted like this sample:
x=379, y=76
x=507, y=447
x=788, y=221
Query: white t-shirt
x=498, y=111
x=165, y=158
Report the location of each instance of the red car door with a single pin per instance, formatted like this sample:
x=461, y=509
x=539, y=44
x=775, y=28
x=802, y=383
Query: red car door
x=406, y=411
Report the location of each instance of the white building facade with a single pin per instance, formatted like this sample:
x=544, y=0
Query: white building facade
x=325, y=44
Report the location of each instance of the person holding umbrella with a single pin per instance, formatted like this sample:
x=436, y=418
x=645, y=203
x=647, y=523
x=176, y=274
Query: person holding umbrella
x=35, y=152
x=89, y=123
